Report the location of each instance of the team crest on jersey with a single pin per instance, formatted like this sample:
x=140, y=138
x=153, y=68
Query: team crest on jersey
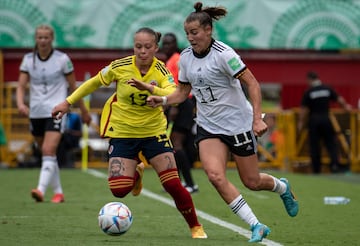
x=111, y=149
x=154, y=83
x=201, y=81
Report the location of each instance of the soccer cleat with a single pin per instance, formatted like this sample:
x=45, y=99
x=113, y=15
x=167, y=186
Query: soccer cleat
x=58, y=198
x=198, y=232
x=289, y=200
x=37, y=195
x=138, y=183
x=259, y=231
x=192, y=189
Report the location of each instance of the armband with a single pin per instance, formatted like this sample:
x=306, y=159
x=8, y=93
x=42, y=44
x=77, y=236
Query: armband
x=164, y=100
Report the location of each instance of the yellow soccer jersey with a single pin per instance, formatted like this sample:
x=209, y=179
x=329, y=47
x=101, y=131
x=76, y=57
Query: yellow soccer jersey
x=126, y=114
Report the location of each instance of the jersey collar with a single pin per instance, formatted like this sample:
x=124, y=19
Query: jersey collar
x=47, y=58
x=203, y=54
x=316, y=82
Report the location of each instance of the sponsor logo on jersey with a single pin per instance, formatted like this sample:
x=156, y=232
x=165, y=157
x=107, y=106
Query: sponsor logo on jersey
x=234, y=64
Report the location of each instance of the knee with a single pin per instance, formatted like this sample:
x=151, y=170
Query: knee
x=215, y=178
x=120, y=186
x=48, y=150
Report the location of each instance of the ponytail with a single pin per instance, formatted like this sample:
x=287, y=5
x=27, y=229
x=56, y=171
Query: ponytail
x=206, y=15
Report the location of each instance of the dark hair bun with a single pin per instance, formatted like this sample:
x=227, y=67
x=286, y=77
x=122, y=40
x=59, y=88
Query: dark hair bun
x=198, y=6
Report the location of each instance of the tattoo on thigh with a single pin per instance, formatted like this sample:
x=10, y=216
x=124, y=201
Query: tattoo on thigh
x=116, y=167
x=170, y=163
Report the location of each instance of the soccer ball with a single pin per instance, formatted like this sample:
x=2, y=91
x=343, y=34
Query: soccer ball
x=115, y=218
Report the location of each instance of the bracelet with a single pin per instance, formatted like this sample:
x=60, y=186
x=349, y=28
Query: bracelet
x=164, y=100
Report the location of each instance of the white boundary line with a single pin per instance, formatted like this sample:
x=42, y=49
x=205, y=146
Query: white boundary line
x=201, y=214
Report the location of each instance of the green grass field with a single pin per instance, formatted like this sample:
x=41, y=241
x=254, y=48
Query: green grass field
x=24, y=222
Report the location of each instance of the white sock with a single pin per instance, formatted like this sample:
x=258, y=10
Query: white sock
x=240, y=207
x=47, y=171
x=279, y=186
x=55, y=182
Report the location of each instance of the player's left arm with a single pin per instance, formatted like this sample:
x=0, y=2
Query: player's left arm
x=164, y=88
x=343, y=103
x=253, y=86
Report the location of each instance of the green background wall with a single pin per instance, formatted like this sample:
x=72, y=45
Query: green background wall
x=250, y=24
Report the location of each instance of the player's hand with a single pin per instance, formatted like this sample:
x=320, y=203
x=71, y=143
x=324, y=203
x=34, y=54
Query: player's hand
x=23, y=110
x=139, y=84
x=259, y=127
x=60, y=109
x=154, y=101
x=348, y=107
x=86, y=117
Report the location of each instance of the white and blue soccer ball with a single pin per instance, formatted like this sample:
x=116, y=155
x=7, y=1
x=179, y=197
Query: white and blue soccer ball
x=115, y=218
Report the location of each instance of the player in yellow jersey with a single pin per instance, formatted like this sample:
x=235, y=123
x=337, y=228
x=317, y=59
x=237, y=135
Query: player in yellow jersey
x=133, y=126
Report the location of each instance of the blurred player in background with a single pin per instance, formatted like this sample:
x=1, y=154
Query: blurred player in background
x=181, y=116
x=316, y=105
x=134, y=127
x=70, y=140
x=226, y=121
x=50, y=73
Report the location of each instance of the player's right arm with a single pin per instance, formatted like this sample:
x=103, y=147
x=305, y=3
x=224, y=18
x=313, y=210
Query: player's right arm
x=83, y=90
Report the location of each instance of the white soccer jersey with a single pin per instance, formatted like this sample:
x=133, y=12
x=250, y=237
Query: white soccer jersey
x=48, y=85
x=221, y=102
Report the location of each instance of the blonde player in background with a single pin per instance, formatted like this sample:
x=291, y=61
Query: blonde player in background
x=134, y=127
x=49, y=72
x=225, y=118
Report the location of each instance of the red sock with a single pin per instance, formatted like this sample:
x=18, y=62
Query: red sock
x=121, y=186
x=171, y=183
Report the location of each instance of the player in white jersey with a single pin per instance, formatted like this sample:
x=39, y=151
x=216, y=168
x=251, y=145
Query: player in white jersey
x=226, y=120
x=49, y=73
